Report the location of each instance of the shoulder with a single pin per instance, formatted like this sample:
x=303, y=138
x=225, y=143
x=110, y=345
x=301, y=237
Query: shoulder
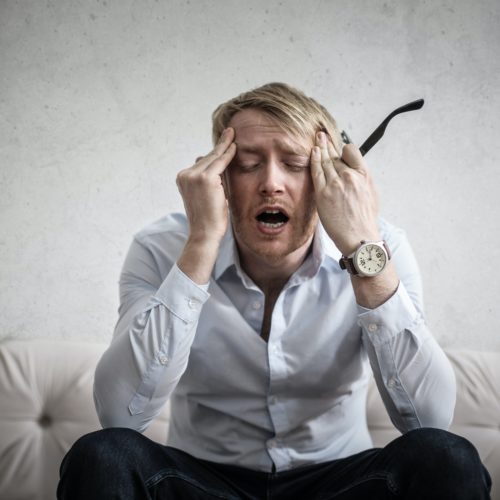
x=171, y=223
x=167, y=234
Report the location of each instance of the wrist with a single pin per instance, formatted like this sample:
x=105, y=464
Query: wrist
x=198, y=258
x=205, y=241
x=373, y=292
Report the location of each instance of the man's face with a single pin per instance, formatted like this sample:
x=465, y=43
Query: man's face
x=269, y=189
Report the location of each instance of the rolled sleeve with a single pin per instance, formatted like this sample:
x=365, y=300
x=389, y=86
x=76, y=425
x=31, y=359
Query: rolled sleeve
x=395, y=315
x=409, y=367
x=181, y=296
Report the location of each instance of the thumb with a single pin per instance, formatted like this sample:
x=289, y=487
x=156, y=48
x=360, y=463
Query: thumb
x=351, y=156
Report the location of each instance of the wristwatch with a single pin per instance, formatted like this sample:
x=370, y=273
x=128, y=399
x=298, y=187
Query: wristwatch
x=368, y=260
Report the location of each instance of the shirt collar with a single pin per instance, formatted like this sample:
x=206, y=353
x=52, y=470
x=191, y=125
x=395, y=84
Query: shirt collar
x=323, y=251
x=228, y=254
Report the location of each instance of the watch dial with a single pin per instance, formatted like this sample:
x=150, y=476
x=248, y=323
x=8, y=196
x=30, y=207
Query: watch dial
x=370, y=259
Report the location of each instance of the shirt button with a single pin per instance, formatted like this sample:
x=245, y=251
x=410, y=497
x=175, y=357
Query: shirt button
x=392, y=382
x=192, y=303
x=163, y=359
x=272, y=443
x=257, y=305
x=372, y=327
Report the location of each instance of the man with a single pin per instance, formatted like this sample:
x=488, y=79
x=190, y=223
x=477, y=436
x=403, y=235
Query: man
x=260, y=315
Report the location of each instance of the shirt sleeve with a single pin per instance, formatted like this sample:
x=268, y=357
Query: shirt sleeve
x=413, y=375
x=151, y=343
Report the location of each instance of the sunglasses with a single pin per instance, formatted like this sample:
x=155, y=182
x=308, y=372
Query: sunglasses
x=377, y=134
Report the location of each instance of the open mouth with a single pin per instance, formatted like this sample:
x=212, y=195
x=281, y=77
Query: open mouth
x=273, y=219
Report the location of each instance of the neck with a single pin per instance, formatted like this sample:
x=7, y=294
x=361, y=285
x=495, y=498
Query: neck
x=270, y=274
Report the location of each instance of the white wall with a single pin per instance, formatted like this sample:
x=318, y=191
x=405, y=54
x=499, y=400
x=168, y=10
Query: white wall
x=103, y=101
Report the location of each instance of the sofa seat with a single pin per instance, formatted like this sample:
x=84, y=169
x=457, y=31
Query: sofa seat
x=46, y=404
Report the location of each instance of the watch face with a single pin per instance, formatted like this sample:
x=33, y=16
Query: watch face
x=370, y=259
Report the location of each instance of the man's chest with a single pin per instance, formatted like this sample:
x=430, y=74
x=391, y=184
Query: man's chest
x=314, y=346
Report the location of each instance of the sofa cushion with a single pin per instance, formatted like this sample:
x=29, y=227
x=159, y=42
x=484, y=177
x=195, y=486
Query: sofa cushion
x=46, y=405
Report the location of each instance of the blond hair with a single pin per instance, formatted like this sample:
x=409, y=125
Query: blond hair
x=293, y=111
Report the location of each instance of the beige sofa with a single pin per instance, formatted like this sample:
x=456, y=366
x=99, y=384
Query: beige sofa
x=46, y=404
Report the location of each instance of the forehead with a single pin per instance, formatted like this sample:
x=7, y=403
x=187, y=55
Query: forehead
x=255, y=129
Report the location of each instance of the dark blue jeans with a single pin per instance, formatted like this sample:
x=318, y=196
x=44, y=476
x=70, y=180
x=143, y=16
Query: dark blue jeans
x=424, y=464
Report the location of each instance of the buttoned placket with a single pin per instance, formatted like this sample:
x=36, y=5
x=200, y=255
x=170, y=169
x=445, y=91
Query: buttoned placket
x=277, y=376
x=254, y=310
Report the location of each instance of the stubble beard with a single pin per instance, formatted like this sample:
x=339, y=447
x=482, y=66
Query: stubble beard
x=263, y=246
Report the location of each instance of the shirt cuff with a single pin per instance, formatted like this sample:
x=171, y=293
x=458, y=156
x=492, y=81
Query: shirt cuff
x=182, y=296
x=389, y=319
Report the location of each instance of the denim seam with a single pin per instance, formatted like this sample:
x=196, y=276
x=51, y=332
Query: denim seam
x=159, y=476
x=392, y=485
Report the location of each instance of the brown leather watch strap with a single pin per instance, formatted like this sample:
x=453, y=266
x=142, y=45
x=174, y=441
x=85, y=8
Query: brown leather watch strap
x=347, y=264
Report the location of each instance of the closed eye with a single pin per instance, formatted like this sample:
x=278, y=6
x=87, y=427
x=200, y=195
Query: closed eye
x=247, y=167
x=251, y=167
x=296, y=167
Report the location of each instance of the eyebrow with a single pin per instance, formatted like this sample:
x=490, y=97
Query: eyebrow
x=284, y=146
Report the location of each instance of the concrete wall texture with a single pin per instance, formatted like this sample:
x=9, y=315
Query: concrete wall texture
x=103, y=101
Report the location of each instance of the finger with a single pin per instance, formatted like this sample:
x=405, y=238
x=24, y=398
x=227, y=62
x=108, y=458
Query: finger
x=225, y=141
x=351, y=155
x=221, y=163
x=332, y=151
x=317, y=174
x=326, y=160
x=332, y=148
x=338, y=163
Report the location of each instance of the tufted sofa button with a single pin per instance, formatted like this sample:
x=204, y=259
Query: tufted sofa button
x=44, y=421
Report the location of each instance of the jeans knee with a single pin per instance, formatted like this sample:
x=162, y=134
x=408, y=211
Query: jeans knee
x=443, y=449
x=442, y=461
x=103, y=463
x=106, y=445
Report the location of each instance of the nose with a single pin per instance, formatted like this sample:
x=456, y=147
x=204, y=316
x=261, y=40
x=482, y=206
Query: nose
x=272, y=179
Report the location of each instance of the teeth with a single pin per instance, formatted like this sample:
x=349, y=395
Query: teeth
x=272, y=211
x=273, y=225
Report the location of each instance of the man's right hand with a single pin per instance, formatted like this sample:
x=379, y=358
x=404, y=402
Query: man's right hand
x=202, y=191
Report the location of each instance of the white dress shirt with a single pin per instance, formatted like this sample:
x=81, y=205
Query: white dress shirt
x=296, y=400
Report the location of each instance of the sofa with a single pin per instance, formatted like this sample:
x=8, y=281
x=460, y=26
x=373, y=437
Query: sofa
x=46, y=404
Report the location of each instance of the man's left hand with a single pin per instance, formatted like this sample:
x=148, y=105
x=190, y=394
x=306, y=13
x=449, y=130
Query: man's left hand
x=345, y=194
